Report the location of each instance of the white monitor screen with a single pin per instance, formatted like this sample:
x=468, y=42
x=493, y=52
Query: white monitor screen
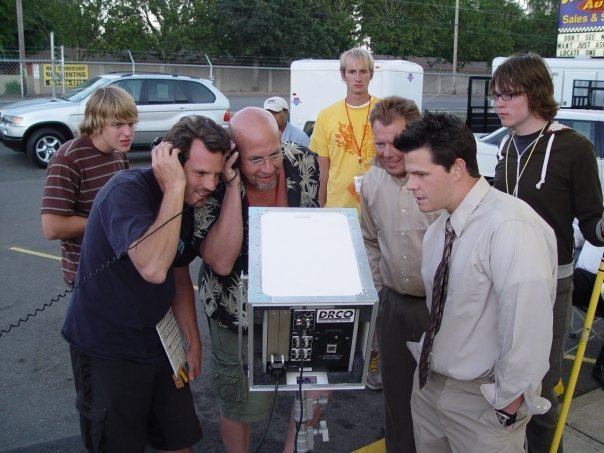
x=309, y=253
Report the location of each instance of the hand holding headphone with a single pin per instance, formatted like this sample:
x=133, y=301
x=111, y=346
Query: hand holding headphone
x=167, y=163
x=230, y=175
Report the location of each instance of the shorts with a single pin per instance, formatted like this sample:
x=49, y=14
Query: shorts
x=230, y=382
x=124, y=405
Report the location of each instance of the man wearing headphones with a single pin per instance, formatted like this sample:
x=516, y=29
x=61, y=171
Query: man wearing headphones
x=133, y=270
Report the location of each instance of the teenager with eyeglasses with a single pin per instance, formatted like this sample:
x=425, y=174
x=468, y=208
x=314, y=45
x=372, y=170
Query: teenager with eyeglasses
x=554, y=170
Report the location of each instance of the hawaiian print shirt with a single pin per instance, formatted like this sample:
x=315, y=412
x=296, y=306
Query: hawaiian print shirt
x=220, y=294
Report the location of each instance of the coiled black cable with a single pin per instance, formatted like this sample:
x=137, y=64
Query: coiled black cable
x=88, y=277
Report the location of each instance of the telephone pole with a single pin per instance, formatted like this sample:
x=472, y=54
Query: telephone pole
x=455, y=33
x=21, y=48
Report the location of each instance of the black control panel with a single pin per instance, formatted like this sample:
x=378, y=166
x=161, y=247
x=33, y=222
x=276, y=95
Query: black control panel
x=322, y=339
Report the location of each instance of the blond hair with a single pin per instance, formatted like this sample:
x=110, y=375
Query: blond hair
x=108, y=104
x=356, y=53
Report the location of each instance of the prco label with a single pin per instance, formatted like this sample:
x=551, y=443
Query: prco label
x=335, y=315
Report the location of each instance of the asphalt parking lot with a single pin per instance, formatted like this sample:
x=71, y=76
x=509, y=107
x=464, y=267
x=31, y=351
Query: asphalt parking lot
x=36, y=388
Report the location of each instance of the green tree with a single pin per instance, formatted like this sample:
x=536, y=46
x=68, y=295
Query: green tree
x=544, y=6
x=485, y=29
x=180, y=26
x=8, y=30
x=124, y=28
x=76, y=24
x=284, y=29
x=277, y=31
x=399, y=28
x=538, y=30
x=37, y=17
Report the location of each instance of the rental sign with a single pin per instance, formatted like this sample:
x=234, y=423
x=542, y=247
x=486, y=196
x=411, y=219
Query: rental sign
x=73, y=75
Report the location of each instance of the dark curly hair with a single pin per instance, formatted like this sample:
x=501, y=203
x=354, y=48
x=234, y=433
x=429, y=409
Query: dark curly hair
x=214, y=137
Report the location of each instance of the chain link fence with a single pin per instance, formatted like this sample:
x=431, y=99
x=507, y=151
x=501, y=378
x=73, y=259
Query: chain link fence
x=37, y=80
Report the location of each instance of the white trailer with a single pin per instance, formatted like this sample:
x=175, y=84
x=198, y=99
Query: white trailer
x=564, y=73
x=316, y=84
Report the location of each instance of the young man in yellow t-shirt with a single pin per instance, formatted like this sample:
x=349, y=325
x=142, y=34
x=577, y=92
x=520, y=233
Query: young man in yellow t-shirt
x=342, y=136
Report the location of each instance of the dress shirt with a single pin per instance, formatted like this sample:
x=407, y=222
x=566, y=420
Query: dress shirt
x=497, y=320
x=393, y=229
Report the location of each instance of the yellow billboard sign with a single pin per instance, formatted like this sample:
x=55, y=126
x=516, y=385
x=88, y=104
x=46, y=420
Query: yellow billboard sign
x=73, y=75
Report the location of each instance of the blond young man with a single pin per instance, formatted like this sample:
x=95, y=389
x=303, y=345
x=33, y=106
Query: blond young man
x=342, y=137
x=82, y=166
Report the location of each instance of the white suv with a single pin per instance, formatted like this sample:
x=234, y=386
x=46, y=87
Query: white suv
x=589, y=123
x=39, y=127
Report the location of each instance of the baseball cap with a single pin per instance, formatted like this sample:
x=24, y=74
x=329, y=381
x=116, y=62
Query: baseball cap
x=276, y=104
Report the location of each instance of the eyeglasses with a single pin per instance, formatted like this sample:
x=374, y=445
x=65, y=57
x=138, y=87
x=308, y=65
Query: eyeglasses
x=504, y=96
x=273, y=157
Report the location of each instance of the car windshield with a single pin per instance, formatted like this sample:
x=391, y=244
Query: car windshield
x=79, y=93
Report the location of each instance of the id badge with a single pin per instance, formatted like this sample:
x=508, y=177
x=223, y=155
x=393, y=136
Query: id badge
x=357, y=183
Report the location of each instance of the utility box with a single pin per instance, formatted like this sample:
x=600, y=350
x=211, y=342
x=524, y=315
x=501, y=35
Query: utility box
x=316, y=84
x=309, y=290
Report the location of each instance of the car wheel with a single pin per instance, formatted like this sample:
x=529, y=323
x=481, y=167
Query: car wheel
x=42, y=144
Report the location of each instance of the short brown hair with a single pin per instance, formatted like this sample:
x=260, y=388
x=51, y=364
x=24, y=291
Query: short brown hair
x=529, y=74
x=392, y=107
x=108, y=104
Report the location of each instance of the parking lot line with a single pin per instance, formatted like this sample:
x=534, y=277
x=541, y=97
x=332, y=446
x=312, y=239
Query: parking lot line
x=33, y=252
x=375, y=447
x=52, y=257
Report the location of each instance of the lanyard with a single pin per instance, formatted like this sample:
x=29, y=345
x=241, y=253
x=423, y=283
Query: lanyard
x=359, y=148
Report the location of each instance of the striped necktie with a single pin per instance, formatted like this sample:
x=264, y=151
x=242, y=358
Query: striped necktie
x=439, y=296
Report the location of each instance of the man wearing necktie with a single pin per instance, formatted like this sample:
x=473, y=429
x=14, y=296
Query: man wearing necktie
x=489, y=265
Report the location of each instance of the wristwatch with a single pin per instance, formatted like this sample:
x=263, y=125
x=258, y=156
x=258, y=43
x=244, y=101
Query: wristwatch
x=504, y=418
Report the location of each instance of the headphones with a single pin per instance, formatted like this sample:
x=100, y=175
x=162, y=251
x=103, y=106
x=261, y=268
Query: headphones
x=181, y=157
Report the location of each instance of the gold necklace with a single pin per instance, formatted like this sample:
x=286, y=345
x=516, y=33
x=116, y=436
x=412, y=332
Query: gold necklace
x=507, y=151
